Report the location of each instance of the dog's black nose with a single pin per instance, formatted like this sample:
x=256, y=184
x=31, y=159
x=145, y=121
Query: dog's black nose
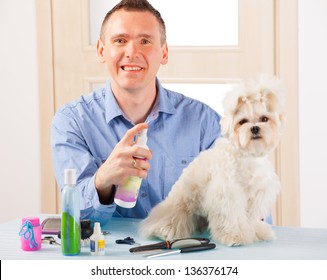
x=255, y=130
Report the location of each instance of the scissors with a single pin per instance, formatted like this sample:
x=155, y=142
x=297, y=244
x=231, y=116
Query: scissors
x=171, y=244
x=127, y=240
x=50, y=240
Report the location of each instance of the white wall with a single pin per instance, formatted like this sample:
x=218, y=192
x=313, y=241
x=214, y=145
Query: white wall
x=19, y=141
x=19, y=111
x=313, y=98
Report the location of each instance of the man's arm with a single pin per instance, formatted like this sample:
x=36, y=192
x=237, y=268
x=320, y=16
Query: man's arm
x=95, y=180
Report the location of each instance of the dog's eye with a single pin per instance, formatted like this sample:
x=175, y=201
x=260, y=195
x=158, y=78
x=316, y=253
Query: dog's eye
x=243, y=121
x=264, y=119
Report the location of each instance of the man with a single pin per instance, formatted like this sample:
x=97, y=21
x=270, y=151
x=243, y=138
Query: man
x=95, y=134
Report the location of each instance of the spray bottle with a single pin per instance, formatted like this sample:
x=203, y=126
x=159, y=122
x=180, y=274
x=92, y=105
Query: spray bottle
x=126, y=195
x=70, y=217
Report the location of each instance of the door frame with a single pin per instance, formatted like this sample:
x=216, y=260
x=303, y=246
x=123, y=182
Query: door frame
x=285, y=65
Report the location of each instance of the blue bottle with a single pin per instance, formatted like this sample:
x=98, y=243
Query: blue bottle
x=70, y=217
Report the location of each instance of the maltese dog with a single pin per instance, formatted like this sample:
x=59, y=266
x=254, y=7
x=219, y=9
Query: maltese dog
x=230, y=188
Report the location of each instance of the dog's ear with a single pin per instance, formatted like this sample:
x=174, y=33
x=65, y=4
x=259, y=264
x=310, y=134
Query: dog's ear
x=282, y=119
x=273, y=103
x=226, y=123
x=231, y=103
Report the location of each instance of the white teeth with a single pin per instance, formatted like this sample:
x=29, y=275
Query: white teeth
x=131, y=68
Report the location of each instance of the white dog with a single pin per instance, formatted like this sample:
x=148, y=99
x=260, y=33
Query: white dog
x=231, y=187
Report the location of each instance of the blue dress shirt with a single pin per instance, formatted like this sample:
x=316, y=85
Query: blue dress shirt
x=84, y=133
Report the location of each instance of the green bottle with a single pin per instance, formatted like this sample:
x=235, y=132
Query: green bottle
x=70, y=218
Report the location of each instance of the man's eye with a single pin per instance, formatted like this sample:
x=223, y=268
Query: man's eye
x=145, y=41
x=243, y=121
x=120, y=41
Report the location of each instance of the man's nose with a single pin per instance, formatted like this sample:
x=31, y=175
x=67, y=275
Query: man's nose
x=131, y=49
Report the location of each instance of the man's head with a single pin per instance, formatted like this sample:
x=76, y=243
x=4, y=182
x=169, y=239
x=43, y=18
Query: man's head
x=135, y=5
x=133, y=46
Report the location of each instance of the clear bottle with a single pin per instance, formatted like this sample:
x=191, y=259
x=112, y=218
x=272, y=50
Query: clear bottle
x=97, y=243
x=70, y=218
x=126, y=195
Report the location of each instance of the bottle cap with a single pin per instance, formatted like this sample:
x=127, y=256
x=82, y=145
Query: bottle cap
x=70, y=177
x=97, y=228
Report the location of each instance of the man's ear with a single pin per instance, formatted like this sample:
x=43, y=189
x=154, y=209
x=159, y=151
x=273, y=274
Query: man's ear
x=100, y=51
x=164, y=59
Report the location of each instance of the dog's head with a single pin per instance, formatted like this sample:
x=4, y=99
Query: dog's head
x=253, y=115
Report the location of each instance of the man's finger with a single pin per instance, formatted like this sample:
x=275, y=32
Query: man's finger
x=131, y=133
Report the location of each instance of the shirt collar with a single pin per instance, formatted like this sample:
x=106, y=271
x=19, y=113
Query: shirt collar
x=111, y=106
x=163, y=104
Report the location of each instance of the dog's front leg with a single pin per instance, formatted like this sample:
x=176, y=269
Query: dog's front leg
x=261, y=204
x=227, y=217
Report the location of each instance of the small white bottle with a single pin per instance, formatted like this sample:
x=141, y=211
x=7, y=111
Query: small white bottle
x=126, y=195
x=97, y=243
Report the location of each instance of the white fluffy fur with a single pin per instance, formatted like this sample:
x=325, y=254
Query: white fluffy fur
x=231, y=187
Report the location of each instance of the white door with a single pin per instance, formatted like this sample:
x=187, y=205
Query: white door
x=202, y=55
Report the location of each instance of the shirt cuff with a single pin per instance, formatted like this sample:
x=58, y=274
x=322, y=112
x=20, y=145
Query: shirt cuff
x=92, y=198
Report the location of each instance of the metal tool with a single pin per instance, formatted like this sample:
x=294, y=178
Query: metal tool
x=189, y=249
x=127, y=240
x=170, y=244
x=49, y=240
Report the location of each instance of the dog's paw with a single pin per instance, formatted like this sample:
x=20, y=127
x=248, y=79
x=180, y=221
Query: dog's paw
x=234, y=245
x=163, y=231
x=235, y=240
x=174, y=231
x=236, y=237
x=264, y=231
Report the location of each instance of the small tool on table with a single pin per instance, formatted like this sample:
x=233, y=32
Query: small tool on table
x=189, y=249
x=127, y=240
x=49, y=240
x=170, y=244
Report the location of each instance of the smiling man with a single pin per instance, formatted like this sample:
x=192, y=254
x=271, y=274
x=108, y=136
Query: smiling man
x=95, y=134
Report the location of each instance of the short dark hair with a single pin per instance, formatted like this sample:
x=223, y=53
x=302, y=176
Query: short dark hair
x=135, y=5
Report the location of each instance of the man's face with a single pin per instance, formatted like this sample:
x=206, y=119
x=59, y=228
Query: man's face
x=132, y=50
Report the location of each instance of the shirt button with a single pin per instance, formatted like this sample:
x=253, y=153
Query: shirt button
x=144, y=195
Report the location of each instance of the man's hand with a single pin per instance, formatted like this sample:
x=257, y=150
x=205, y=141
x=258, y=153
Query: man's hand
x=125, y=160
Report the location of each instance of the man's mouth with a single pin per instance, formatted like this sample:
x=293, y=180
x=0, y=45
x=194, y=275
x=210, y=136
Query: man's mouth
x=131, y=68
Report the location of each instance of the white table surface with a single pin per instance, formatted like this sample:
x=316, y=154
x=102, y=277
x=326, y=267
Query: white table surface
x=291, y=244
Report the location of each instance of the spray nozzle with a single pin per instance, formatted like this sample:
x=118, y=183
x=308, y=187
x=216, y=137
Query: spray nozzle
x=142, y=137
